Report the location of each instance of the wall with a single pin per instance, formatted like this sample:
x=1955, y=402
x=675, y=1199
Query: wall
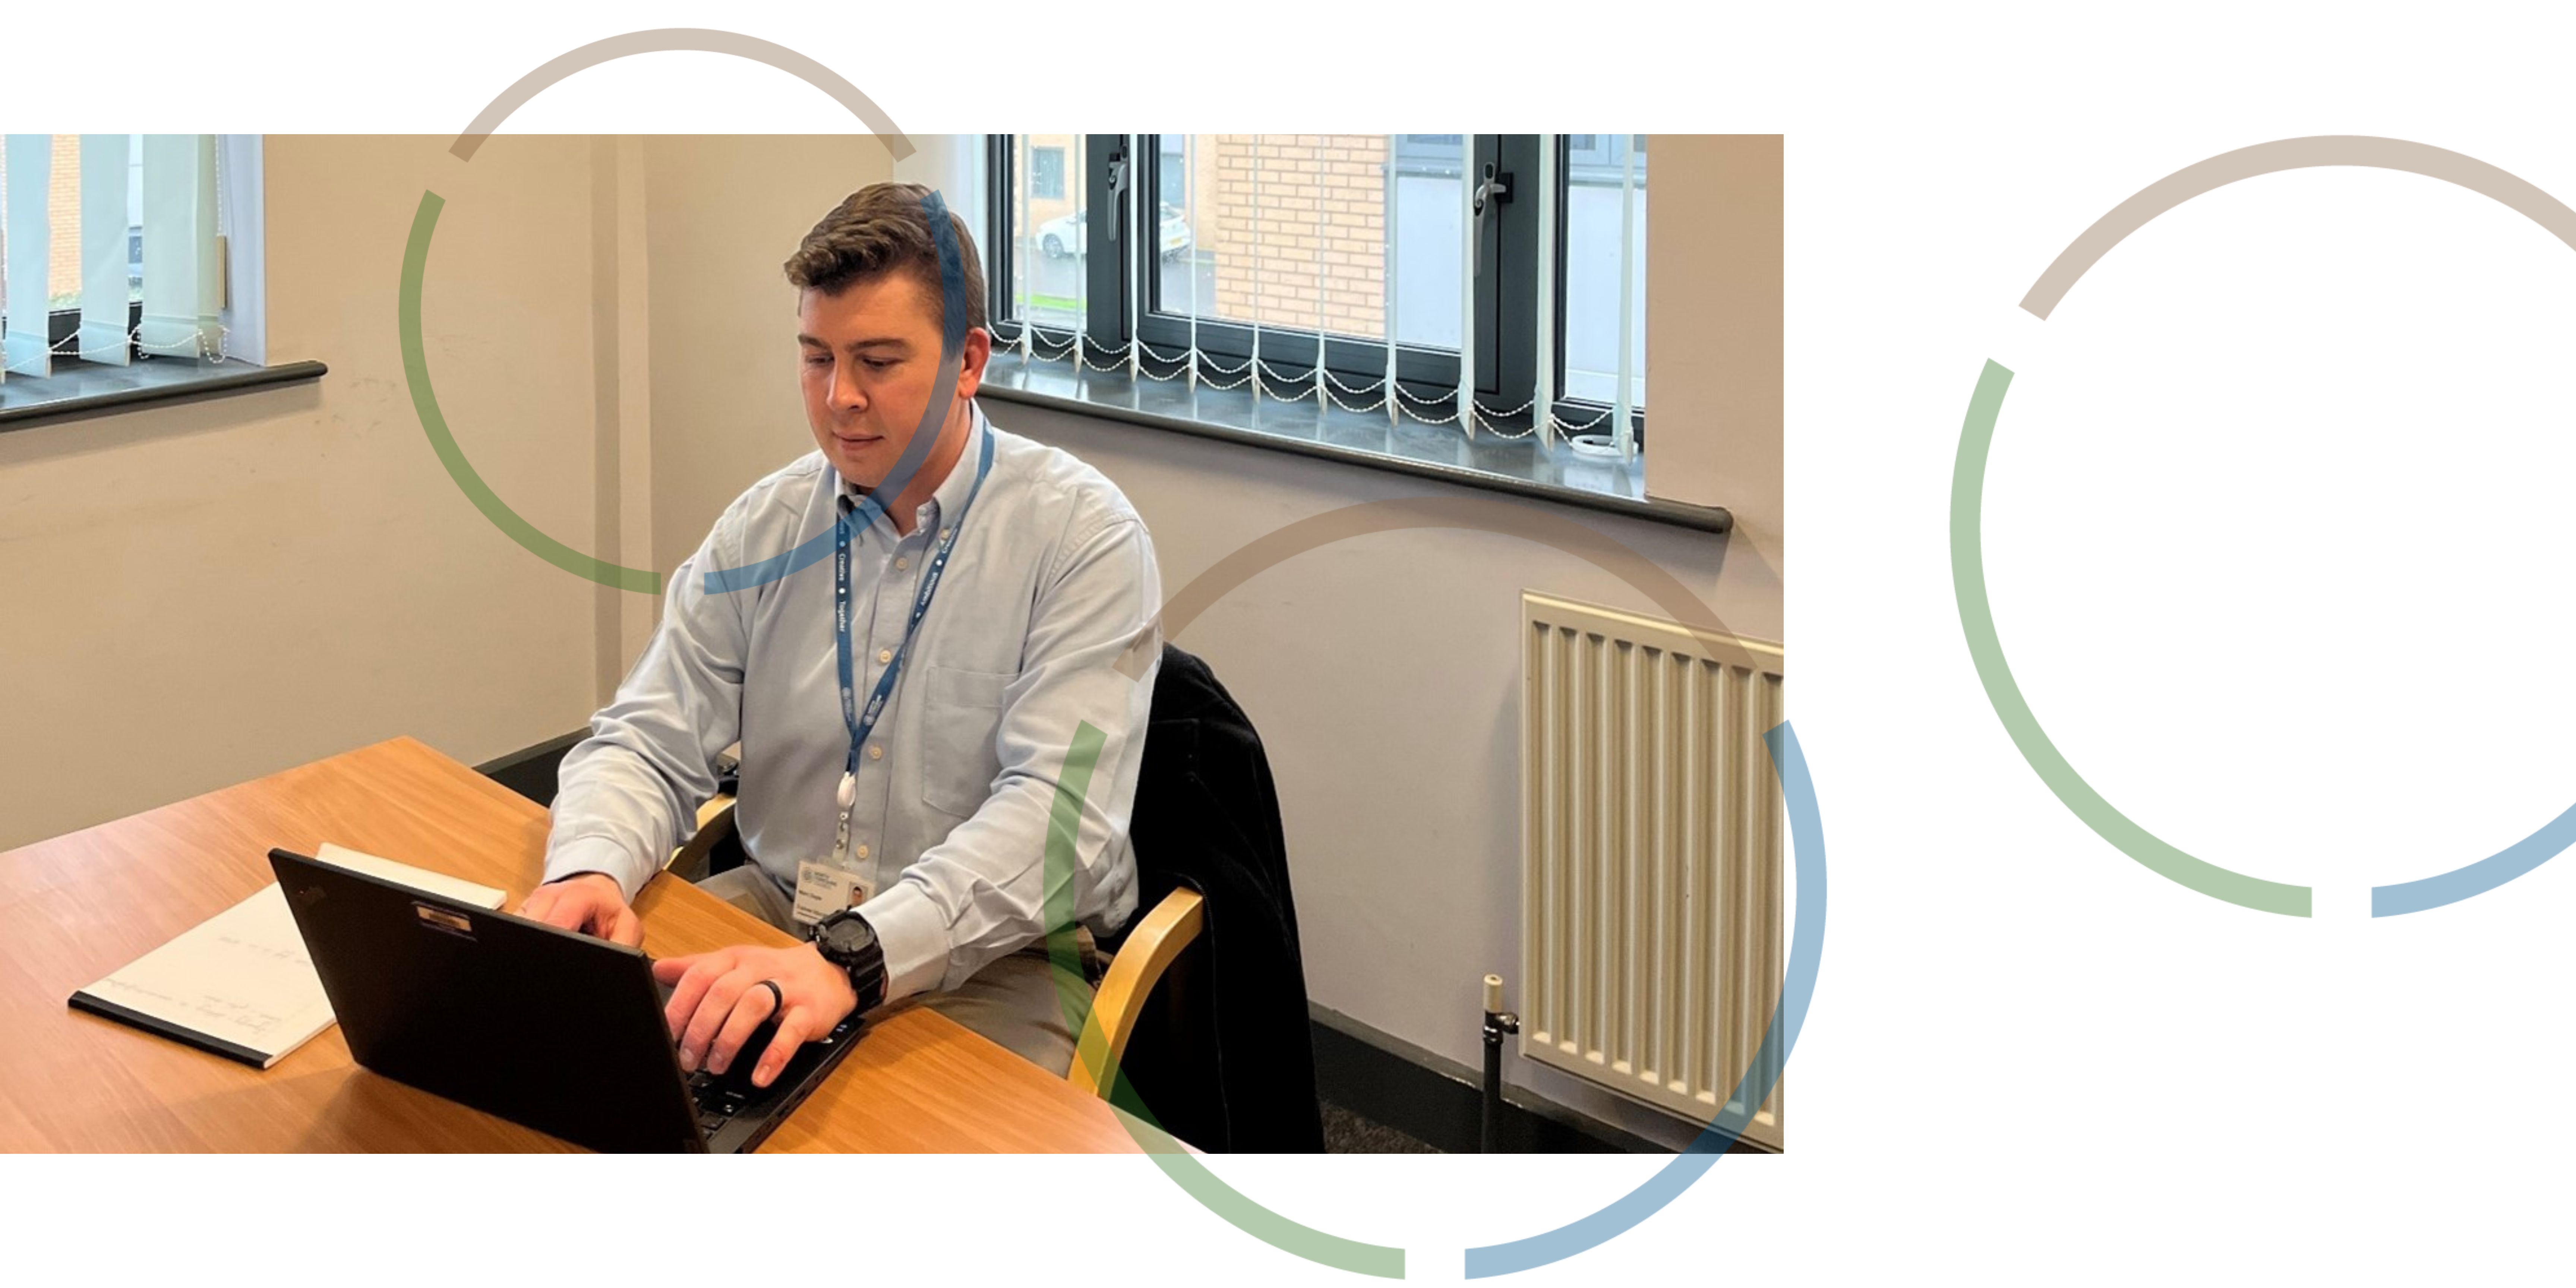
x=208, y=592
x=202, y=593
x=62, y=210
x=1291, y=209
x=1715, y=294
x=721, y=215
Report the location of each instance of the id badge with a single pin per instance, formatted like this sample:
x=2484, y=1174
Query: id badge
x=823, y=889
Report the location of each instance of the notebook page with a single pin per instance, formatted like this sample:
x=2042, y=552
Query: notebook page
x=241, y=976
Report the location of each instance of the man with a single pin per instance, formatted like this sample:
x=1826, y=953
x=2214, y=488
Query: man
x=897, y=779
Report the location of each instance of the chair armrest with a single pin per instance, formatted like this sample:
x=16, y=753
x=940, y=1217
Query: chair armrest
x=715, y=823
x=1148, y=951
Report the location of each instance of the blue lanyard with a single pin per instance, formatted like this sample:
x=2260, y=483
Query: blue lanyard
x=862, y=723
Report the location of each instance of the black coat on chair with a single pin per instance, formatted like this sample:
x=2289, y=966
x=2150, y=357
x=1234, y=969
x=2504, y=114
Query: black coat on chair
x=1222, y=1056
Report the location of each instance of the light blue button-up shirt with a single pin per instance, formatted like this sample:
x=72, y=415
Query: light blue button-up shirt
x=1051, y=581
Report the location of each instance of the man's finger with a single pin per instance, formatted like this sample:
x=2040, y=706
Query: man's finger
x=668, y=970
x=704, y=970
x=755, y=1005
x=597, y=912
x=710, y=1015
x=549, y=906
x=626, y=928
x=791, y=1035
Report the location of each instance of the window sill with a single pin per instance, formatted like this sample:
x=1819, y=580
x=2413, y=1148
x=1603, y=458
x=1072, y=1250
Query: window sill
x=1521, y=467
x=89, y=389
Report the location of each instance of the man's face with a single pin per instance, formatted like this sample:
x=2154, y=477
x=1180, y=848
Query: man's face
x=870, y=361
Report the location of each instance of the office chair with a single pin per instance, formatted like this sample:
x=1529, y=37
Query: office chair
x=1145, y=954
x=693, y=862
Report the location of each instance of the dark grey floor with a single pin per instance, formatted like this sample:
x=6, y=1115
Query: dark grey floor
x=1348, y=1133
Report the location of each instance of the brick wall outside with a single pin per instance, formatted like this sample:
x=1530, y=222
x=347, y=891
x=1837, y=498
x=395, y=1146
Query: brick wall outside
x=1299, y=231
x=62, y=206
x=1312, y=251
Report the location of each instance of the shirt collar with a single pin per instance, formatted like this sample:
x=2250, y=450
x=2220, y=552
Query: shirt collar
x=952, y=491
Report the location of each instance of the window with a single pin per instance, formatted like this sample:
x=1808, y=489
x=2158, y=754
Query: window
x=1041, y=263
x=1335, y=268
x=63, y=210
x=1046, y=174
x=1600, y=184
x=1309, y=234
x=1434, y=150
x=119, y=259
x=79, y=248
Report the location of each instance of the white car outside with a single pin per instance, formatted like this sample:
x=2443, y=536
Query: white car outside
x=1063, y=235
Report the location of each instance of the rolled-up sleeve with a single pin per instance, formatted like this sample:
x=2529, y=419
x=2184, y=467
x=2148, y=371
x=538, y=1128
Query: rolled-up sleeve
x=1072, y=727
x=626, y=793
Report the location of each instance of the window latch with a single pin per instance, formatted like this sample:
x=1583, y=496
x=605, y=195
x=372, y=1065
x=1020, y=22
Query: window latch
x=1498, y=187
x=1117, y=188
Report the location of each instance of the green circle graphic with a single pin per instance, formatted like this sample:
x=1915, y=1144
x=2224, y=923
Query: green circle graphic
x=1976, y=617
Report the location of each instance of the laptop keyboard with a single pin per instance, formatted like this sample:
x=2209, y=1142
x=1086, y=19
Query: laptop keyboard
x=719, y=1098
x=722, y=1097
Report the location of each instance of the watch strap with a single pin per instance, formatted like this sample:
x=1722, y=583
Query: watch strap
x=868, y=978
x=866, y=966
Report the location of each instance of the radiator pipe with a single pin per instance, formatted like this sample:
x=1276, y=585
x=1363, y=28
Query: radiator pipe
x=1497, y=1023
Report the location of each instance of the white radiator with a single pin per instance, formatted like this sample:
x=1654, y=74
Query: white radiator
x=1651, y=837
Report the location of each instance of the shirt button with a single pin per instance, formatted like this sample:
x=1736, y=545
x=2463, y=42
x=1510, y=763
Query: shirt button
x=863, y=851
x=946, y=533
x=901, y=564
x=876, y=751
x=885, y=655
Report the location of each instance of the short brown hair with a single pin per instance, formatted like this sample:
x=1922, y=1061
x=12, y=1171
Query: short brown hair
x=883, y=229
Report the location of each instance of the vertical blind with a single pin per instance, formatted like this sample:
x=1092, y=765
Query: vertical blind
x=138, y=229
x=27, y=262
x=1593, y=322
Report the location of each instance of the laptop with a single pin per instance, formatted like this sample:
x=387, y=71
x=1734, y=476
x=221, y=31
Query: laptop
x=551, y=1029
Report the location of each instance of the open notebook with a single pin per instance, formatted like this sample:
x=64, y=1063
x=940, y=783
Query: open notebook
x=239, y=984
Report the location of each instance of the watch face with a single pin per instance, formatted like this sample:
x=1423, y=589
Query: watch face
x=846, y=934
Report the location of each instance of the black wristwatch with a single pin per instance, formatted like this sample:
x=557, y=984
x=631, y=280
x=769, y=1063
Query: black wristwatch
x=847, y=940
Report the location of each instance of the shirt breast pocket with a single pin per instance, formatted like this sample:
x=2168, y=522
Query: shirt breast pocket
x=959, y=723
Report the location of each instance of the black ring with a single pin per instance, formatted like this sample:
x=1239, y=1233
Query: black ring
x=778, y=999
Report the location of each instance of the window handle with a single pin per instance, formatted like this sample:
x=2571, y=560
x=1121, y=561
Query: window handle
x=1117, y=188
x=1498, y=187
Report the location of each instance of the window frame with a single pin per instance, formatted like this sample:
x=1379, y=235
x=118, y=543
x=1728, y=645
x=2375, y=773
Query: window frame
x=1427, y=374
x=63, y=324
x=1506, y=306
x=1103, y=314
x=1570, y=410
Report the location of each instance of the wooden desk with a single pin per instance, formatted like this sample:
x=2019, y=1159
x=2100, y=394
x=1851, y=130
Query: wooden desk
x=76, y=907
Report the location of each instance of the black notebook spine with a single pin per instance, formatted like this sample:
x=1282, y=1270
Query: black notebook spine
x=95, y=1005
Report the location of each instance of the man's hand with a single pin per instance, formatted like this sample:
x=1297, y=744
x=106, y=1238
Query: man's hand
x=719, y=1001
x=590, y=903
